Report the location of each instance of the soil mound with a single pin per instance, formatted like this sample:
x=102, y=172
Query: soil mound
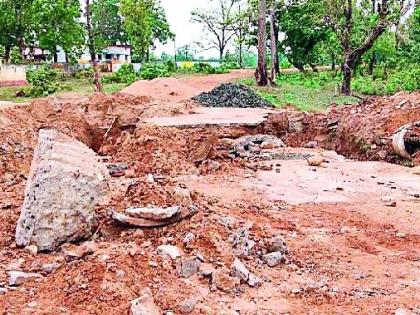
x=232, y=95
x=163, y=89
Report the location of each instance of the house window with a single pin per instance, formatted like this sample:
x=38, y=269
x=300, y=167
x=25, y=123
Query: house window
x=108, y=57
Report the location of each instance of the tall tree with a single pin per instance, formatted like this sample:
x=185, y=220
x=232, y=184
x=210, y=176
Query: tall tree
x=261, y=71
x=349, y=19
x=273, y=42
x=144, y=23
x=217, y=23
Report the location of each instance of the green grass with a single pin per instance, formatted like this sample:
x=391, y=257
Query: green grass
x=304, y=93
x=80, y=86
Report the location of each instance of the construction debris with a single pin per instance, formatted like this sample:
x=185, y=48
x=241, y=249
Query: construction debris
x=232, y=95
x=126, y=219
x=65, y=183
x=157, y=214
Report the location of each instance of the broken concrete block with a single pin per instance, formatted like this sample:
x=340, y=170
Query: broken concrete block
x=276, y=244
x=239, y=270
x=187, y=266
x=273, y=259
x=144, y=305
x=153, y=213
x=66, y=181
x=17, y=278
x=169, y=251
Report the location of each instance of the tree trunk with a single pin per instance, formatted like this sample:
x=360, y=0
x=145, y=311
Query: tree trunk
x=276, y=34
x=347, y=75
x=90, y=39
x=261, y=72
x=273, y=41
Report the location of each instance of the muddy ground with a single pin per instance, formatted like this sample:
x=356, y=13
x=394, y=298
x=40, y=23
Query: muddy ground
x=351, y=226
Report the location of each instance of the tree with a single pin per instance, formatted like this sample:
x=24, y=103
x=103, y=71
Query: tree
x=217, y=23
x=304, y=28
x=273, y=43
x=55, y=23
x=144, y=23
x=350, y=20
x=261, y=72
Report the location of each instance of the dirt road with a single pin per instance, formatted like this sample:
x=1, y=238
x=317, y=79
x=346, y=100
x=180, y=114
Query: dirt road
x=351, y=227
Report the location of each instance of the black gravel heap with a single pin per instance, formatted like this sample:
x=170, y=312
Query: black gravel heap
x=232, y=95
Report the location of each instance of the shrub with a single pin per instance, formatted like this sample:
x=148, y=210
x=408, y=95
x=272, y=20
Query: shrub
x=125, y=74
x=16, y=56
x=43, y=81
x=150, y=71
x=202, y=67
x=84, y=73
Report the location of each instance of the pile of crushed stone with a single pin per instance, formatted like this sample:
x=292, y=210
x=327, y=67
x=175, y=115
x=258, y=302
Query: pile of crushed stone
x=232, y=95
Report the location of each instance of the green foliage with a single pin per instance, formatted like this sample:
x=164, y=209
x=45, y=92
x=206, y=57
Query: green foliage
x=44, y=81
x=125, y=74
x=16, y=56
x=304, y=27
x=151, y=71
x=144, y=22
x=2, y=52
x=202, y=67
x=407, y=79
x=84, y=73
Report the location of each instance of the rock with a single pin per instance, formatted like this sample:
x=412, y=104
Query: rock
x=400, y=235
x=66, y=181
x=188, y=238
x=222, y=281
x=253, y=280
x=311, y=145
x=116, y=169
x=314, y=161
x=32, y=249
x=150, y=178
x=3, y=291
x=239, y=270
x=273, y=259
x=73, y=252
x=276, y=244
x=187, y=266
x=17, y=278
x=206, y=270
x=391, y=204
x=157, y=214
x=49, y=268
x=181, y=196
x=144, y=305
x=169, y=251
x=187, y=306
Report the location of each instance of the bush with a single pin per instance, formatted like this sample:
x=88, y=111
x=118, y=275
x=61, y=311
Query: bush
x=16, y=56
x=125, y=74
x=202, y=67
x=43, y=82
x=150, y=71
x=84, y=73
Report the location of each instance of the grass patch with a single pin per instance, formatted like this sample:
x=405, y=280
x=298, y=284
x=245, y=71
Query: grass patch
x=81, y=86
x=307, y=93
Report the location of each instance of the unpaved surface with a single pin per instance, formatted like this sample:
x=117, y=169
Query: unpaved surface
x=349, y=252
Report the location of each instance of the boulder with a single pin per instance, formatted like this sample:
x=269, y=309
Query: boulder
x=65, y=183
x=169, y=251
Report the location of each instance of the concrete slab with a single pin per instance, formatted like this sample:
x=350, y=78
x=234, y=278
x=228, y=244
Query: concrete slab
x=205, y=116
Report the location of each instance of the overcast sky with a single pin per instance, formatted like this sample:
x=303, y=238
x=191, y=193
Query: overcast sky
x=178, y=13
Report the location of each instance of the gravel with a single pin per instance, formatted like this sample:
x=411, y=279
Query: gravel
x=232, y=95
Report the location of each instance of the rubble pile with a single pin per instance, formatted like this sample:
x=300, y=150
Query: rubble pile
x=232, y=95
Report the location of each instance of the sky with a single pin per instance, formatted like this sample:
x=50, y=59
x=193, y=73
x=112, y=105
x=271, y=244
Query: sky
x=178, y=13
